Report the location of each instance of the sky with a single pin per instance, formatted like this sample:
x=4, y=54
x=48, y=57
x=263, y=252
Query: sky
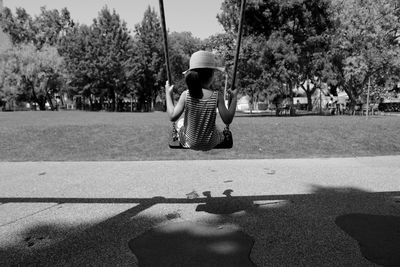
x=196, y=16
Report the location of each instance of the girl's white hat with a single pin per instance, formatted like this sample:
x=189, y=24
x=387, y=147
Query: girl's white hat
x=203, y=60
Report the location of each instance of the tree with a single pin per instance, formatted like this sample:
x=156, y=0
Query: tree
x=365, y=46
x=96, y=58
x=5, y=42
x=44, y=29
x=295, y=32
x=78, y=50
x=148, y=61
x=253, y=78
x=31, y=74
x=75, y=47
x=281, y=64
x=9, y=77
x=50, y=25
x=18, y=27
x=111, y=53
x=223, y=45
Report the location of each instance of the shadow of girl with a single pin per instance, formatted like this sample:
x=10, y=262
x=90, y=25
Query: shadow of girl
x=377, y=235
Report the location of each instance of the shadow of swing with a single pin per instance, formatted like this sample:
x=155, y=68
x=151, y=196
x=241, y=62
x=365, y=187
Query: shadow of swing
x=226, y=205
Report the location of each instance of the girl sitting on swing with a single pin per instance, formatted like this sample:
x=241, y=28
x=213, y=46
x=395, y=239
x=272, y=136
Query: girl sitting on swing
x=197, y=129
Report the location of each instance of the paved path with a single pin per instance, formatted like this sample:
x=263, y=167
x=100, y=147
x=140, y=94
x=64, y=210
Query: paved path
x=85, y=213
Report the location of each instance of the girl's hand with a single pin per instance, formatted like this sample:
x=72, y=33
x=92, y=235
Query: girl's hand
x=168, y=88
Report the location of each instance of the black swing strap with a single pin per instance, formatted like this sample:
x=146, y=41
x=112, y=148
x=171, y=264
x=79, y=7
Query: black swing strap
x=239, y=39
x=166, y=53
x=165, y=38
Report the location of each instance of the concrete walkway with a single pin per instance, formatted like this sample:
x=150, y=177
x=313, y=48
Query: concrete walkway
x=300, y=212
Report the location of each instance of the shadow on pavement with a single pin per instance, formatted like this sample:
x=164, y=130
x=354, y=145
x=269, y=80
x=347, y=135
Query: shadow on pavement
x=299, y=230
x=193, y=244
x=225, y=205
x=377, y=235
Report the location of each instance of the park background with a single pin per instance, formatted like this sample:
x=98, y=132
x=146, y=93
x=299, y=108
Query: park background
x=311, y=51
x=294, y=54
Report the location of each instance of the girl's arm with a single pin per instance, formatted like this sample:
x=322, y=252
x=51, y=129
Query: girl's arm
x=227, y=114
x=174, y=112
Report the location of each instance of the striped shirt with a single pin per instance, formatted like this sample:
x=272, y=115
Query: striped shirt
x=199, y=131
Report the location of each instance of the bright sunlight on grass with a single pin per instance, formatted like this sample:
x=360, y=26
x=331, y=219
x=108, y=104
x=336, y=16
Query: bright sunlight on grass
x=91, y=136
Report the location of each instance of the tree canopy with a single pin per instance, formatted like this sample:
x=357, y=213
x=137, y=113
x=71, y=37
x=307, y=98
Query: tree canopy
x=28, y=73
x=365, y=45
x=292, y=37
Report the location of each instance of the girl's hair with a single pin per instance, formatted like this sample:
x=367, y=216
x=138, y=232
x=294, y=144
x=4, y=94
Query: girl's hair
x=195, y=80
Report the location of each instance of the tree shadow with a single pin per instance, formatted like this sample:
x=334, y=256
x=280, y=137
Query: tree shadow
x=290, y=230
x=377, y=235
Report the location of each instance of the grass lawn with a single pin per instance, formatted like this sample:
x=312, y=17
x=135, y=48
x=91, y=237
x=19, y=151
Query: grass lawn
x=94, y=136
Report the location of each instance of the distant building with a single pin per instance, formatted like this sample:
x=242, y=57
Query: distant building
x=243, y=103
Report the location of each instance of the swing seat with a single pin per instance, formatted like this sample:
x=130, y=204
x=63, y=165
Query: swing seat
x=226, y=144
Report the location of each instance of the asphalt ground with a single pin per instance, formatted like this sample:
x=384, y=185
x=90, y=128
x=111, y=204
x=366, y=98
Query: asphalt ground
x=297, y=212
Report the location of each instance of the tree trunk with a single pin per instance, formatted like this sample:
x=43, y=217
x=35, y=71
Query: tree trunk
x=309, y=92
x=292, y=110
x=352, y=98
x=50, y=102
x=116, y=102
x=152, y=103
x=112, y=101
x=101, y=103
x=62, y=100
x=41, y=100
x=91, y=103
x=131, y=103
x=46, y=87
x=309, y=101
x=251, y=103
x=34, y=96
